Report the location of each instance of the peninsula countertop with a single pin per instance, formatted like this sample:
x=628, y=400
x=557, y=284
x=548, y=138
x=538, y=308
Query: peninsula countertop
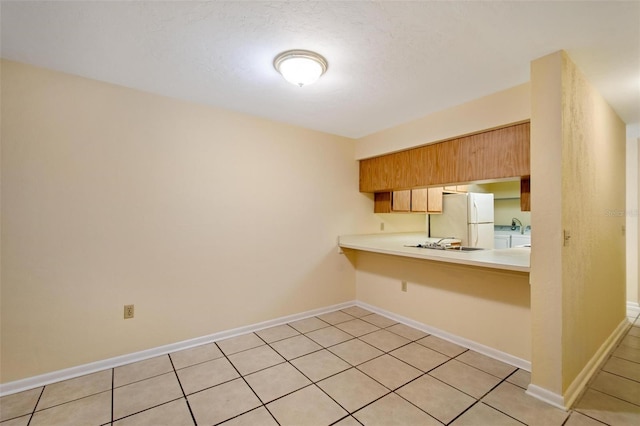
x=512, y=259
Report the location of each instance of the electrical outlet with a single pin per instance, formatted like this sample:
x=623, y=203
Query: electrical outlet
x=128, y=311
x=404, y=286
x=382, y=226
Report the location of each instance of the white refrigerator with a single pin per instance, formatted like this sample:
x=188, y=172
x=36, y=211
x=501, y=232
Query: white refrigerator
x=468, y=217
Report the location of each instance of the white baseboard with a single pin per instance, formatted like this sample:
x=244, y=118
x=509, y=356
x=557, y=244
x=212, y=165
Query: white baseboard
x=579, y=384
x=633, y=309
x=540, y=393
x=469, y=344
x=547, y=396
x=81, y=370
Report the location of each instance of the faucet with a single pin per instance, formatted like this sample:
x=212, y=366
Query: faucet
x=437, y=243
x=513, y=225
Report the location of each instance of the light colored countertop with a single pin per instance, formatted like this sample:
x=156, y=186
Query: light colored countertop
x=512, y=259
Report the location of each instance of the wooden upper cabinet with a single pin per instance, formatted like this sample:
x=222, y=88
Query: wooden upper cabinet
x=401, y=201
x=382, y=202
x=447, y=163
x=497, y=154
x=419, y=200
x=434, y=204
x=385, y=173
x=494, y=154
x=376, y=174
x=418, y=163
x=402, y=170
x=525, y=194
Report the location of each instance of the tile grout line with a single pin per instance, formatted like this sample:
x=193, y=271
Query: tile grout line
x=625, y=359
x=113, y=382
x=35, y=406
x=65, y=402
x=139, y=381
x=613, y=396
x=344, y=418
x=509, y=415
x=587, y=415
x=425, y=373
x=147, y=409
x=479, y=400
x=314, y=383
x=193, y=417
x=392, y=391
x=589, y=385
x=247, y=383
x=620, y=376
x=243, y=413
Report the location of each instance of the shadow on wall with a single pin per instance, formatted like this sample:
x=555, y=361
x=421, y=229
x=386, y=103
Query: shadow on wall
x=483, y=305
x=471, y=281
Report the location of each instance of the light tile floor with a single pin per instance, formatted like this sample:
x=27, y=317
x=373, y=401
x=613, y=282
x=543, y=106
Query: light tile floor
x=347, y=367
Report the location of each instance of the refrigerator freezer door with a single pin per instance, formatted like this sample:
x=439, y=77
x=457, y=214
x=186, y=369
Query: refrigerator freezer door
x=481, y=235
x=480, y=208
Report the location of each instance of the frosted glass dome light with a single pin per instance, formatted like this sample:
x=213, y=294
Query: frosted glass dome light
x=300, y=67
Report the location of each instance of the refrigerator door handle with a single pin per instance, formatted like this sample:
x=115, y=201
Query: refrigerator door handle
x=475, y=219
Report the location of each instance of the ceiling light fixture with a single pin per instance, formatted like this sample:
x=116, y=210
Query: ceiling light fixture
x=300, y=67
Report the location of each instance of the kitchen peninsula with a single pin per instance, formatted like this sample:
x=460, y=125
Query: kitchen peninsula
x=477, y=299
x=512, y=259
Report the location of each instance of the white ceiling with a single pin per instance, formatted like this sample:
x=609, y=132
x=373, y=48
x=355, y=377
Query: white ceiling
x=389, y=61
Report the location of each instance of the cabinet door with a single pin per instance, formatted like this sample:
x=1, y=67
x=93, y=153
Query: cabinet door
x=434, y=200
x=496, y=154
x=446, y=163
x=402, y=172
x=525, y=194
x=401, y=201
x=376, y=174
x=419, y=200
x=382, y=202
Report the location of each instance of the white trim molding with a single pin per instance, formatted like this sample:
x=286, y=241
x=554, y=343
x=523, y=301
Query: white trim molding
x=579, y=384
x=81, y=370
x=546, y=396
x=633, y=309
x=469, y=344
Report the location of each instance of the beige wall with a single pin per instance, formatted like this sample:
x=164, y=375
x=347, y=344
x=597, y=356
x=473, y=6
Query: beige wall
x=204, y=219
x=495, y=110
x=486, y=306
x=578, y=174
x=113, y=196
x=506, y=202
x=632, y=217
x=454, y=299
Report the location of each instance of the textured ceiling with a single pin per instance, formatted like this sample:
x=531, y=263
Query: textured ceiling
x=389, y=62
